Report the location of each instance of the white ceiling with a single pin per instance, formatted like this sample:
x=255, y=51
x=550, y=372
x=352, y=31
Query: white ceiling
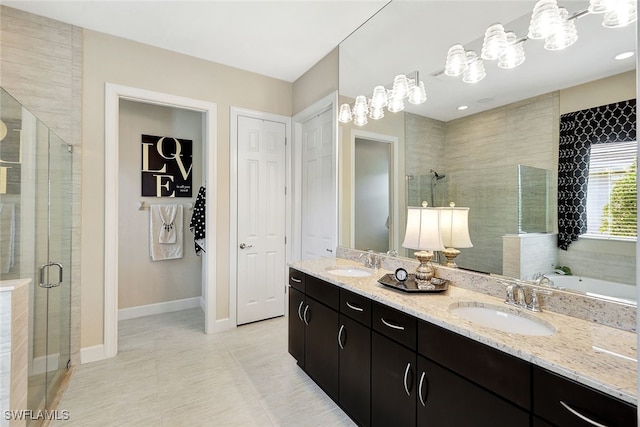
x=280, y=39
x=283, y=39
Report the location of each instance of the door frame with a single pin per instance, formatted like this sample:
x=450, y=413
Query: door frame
x=113, y=94
x=394, y=187
x=233, y=198
x=328, y=102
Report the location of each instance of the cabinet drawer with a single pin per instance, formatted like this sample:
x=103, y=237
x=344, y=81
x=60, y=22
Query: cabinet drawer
x=355, y=306
x=296, y=279
x=549, y=390
x=394, y=324
x=492, y=369
x=322, y=291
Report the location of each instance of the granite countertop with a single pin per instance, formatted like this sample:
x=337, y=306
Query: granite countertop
x=594, y=355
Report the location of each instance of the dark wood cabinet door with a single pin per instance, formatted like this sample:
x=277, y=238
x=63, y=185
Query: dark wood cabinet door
x=447, y=400
x=321, y=349
x=296, y=325
x=566, y=403
x=355, y=369
x=393, y=385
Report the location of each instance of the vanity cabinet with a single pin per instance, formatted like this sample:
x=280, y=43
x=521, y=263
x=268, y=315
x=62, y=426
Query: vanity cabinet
x=385, y=367
x=393, y=367
x=313, y=327
x=563, y=402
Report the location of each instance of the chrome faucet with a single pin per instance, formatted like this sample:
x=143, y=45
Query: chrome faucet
x=517, y=297
x=371, y=259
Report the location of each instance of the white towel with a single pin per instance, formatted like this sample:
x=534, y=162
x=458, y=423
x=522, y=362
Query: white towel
x=7, y=236
x=166, y=232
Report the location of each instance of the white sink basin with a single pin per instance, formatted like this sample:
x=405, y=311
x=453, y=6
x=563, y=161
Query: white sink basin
x=348, y=272
x=505, y=318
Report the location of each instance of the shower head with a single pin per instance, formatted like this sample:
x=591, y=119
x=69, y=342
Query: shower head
x=436, y=175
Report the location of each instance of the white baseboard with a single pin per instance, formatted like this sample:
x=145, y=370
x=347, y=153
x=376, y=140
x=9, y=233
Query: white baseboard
x=159, y=308
x=92, y=354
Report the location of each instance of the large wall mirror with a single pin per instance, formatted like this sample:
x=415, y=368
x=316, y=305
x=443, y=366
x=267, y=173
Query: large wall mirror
x=499, y=156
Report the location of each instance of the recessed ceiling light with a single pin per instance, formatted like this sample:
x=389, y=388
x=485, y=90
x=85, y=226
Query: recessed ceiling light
x=624, y=55
x=463, y=107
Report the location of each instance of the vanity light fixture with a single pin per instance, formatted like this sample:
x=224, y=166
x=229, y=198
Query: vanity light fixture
x=549, y=22
x=423, y=235
x=404, y=88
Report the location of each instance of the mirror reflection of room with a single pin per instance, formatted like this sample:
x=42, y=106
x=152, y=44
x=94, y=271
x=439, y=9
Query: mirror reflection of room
x=493, y=146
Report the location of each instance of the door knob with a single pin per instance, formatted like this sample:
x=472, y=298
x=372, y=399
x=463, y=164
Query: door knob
x=244, y=246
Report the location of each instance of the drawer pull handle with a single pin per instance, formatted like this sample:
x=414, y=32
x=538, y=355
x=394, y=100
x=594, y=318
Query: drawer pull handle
x=579, y=415
x=300, y=308
x=391, y=325
x=340, y=337
x=354, y=307
x=406, y=375
x=304, y=315
x=293, y=279
x=423, y=400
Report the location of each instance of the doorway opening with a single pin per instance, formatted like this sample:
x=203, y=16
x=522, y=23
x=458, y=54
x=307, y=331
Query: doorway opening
x=113, y=95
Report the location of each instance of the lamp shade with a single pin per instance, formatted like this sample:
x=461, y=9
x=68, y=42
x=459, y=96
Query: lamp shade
x=423, y=230
x=454, y=227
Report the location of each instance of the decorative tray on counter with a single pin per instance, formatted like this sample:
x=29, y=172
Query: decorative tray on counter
x=409, y=285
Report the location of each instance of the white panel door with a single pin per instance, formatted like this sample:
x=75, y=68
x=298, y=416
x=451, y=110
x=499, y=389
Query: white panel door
x=261, y=220
x=319, y=192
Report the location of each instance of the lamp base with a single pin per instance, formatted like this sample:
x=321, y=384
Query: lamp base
x=424, y=272
x=450, y=254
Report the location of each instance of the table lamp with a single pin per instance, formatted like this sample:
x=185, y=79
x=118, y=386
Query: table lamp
x=454, y=229
x=423, y=235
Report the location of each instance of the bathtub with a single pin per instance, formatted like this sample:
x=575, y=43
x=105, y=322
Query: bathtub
x=595, y=287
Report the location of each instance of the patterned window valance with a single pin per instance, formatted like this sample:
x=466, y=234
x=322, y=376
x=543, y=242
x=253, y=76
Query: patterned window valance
x=578, y=131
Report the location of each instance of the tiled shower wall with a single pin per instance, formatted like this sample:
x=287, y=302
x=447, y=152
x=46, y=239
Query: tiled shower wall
x=478, y=154
x=41, y=66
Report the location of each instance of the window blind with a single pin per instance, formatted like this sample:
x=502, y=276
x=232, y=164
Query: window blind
x=612, y=191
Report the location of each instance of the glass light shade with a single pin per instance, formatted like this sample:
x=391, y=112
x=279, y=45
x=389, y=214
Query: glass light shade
x=620, y=14
x=400, y=86
x=513, y=55
x=417, y=94
x=565, y=37
x=376, y=113
x=456, y=61
x=598, y=6
x=396, y=104
x=545, y=20
x=379, y=97
x=475, y=69
x=360, y=119
x=360, y=108
x=495, y=42
x=454, y=227
x=344, y=115
x=423, y=230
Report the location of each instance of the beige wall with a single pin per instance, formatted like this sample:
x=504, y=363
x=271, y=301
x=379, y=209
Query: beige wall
x=600, y=92
x=142, y=281
x=115, y=60
x=319, y=81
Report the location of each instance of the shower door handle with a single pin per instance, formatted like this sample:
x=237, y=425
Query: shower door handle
x=45, y=267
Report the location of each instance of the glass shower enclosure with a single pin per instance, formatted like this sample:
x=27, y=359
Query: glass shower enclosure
x=35, y=240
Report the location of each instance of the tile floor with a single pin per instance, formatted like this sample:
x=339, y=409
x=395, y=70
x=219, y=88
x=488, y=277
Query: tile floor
x=169, y=373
